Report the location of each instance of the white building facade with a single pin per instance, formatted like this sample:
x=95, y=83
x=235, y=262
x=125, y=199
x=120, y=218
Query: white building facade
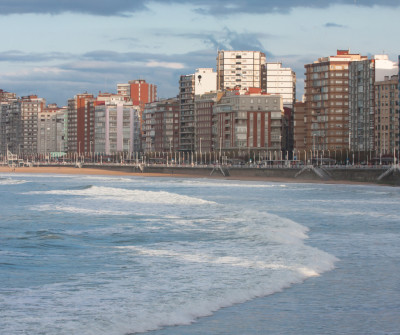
x=282, y=81
x=243, y=69
x=117, y=128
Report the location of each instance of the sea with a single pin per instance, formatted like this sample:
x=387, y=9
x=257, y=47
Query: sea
x=165, y=256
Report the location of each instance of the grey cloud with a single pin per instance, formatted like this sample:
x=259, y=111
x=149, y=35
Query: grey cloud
x=82, y=74
x=93, y=7
x=333, y=25
x=209, y=7
x=230, y=40
x=19, y=56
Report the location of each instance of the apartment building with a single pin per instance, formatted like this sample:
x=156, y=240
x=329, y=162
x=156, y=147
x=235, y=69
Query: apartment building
x=51, y=135
x=281, y=80
x=242, y=69
x=11, y=137
x=31, y=107
x=251, y=121
x=327, y=102
x=139, y=92
x=299, y=130
x=116, y=126
x=205, y=121
x=362, y=78
x=161, y=126
x=6, y=96
x=202, y=81
x=387, y=134
x=81, y=123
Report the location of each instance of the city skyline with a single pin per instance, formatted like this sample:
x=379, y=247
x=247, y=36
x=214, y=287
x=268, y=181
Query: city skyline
x=58, y=50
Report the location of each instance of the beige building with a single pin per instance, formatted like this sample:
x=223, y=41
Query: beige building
x=243, y=69
x=250, y=122
x=327, y=103
x=387, y=116
x=31, y=108
x=116, y=126
x=281, y=80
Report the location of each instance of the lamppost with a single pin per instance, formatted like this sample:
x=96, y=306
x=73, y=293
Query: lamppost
x=313, y=137
x=90, y=149
x=45, y=142
x=201, y=156
x=220, y=148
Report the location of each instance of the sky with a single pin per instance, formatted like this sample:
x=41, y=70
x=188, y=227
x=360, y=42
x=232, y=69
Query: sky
x=59, y=48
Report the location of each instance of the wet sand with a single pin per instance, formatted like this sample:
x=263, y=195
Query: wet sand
x=104, y=171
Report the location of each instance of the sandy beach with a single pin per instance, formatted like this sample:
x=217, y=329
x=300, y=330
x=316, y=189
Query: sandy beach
x=103, y=171
x=73, y=170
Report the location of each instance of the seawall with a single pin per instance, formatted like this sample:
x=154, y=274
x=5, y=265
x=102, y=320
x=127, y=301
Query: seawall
x=345, y=174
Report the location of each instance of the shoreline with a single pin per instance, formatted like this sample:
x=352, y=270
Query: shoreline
x=68, y=170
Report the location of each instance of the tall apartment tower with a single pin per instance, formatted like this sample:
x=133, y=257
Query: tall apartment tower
x=81, y=123
x=327, y=102
x=362, y=78
x=282, y=81
x=116, y=126
x=10, y=127
x=51, y=137
x=387, y=117
x=243, y=69
x=31, y=107
x=202, y=81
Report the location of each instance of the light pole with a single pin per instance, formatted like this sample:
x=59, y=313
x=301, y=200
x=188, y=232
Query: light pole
x=220, y=148
x=201, y=156
x=45, y=142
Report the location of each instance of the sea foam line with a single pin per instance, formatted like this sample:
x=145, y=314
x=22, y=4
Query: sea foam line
x=137, y=196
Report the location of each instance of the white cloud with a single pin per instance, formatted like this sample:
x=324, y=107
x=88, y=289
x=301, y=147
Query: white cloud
x=175, y=66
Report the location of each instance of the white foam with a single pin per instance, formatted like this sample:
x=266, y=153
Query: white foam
x=76, y=210
x=11, y=181
x=137, y=196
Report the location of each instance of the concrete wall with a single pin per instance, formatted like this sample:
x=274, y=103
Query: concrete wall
x=336, y=174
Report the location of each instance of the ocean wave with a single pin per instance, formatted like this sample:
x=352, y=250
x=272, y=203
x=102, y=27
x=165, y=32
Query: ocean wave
x=76, y=210
x=136, y=196
x=11, y=181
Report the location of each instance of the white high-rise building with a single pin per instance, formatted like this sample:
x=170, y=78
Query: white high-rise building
x=243, y=69
x=282, y=81
x=116, y=125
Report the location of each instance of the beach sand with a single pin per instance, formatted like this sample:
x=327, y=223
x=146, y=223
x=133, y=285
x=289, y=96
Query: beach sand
x=104, y=171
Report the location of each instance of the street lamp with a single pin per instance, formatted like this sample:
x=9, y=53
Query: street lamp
x=201, y=157
x=45, y=142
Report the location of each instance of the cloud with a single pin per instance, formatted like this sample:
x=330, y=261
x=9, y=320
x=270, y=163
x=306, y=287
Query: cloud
x=26, y=57
x=100, y=71
x=166, y=65
x=207, y=7
x=230, y=40
x=333, y=25
x=54, y=7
